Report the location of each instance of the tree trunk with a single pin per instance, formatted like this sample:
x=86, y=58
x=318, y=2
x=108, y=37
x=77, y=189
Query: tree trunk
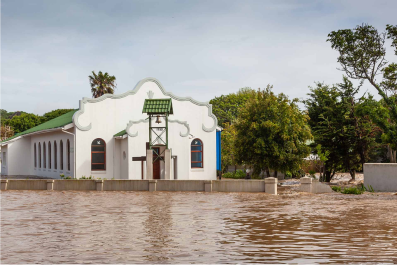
x=327, y=176
x=275, y=173
x=267, y=173
x=391, y=154
x=353, y=174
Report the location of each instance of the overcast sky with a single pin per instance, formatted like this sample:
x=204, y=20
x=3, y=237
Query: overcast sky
x=200, y=49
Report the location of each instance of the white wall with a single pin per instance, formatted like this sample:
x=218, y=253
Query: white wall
x=381, y=176
x=18, y=160
x=4, y=160
x=52, y=138
x=110, y=116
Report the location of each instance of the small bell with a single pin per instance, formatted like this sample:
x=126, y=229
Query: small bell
x=158, y=119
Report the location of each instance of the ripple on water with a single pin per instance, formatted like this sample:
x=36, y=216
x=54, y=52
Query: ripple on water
x=176, y=227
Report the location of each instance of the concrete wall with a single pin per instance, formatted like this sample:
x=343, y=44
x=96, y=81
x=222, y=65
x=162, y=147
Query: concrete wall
x=139, y=185
x=28, y=184
x=239, y=185
x=381, y=176
x=109, y=116
x=180, y=185
x=71, y=184
x=126, y=185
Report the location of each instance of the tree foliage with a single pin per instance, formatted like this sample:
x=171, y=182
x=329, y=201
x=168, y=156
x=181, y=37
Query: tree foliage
x=23, y=122
x=341, y=125
x=362, y=56
x=228, y=137
x=54, y=114
x=271, y=133
x=226, y=107
x=102, y=83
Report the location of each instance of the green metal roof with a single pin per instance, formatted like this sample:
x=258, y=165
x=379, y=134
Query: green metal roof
x=158, y=106
x=51, y=124
x=120, y=133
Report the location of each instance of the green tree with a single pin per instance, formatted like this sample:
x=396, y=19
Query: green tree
x=362, y=56
x=228, y=137
x=102, y=84
x=226, y=107
x=54, y=114
x=271, y=133
x=341, y=126
x=23, y=122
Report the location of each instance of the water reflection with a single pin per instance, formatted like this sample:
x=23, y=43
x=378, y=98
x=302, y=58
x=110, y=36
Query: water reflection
x=176, y=227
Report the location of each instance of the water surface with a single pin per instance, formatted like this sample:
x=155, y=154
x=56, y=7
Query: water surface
x=190, y=227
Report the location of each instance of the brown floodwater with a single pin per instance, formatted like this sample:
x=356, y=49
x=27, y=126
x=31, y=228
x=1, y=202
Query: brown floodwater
x=194, y=227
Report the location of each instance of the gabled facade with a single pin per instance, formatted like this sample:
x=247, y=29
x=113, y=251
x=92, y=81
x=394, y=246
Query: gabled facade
x=108, y=137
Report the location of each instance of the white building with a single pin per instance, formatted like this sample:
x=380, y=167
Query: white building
x=108, y=137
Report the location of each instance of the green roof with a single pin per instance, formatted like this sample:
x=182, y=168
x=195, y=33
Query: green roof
x=158, y=106
x=51, y=124
x=120, y=133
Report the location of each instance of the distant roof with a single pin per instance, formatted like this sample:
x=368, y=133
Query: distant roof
x=158, y=106
x=51, y=124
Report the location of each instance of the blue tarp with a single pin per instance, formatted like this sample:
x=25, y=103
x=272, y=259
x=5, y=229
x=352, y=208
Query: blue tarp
x=218, y=151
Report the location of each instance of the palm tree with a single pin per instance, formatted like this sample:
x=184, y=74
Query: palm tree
x=102, y=84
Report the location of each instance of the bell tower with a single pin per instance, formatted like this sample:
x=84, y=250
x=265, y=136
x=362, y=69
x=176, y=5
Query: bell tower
x=158, y=111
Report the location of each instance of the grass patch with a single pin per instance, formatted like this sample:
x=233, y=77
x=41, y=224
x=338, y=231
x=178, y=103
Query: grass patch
x=336, y=188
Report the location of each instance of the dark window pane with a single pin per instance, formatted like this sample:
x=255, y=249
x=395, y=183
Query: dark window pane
x=196, y=142
x=97, y=148
x=98, y=158
x=197, y=164
x=98, y=167
x=98, y=142
x=197, y=156
x=197, y=148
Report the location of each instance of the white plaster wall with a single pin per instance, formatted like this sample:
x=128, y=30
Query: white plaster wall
x=117, y=159
x=110, y=116
x=124, y=161
x=4, y=160
x=18, y=160
x=52, y=137
x=381, y=176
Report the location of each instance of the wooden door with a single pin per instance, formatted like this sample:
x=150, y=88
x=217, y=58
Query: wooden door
x=156, y=165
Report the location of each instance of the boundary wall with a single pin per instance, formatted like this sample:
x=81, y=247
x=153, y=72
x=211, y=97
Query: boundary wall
x=381, y=176
x=268, y=185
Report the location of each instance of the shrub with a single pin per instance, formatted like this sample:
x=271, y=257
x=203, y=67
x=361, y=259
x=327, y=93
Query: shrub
x=288, y=175
x=239, y=174
x=227, y=175
x=336, y=188
x=352, y=190
x=62, y=176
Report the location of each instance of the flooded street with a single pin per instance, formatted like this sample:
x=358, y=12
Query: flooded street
x=193, y=227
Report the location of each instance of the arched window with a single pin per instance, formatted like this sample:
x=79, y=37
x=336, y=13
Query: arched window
x=61, y=154
x=68, y=153
x=196, y=149
x=44, y=156
x=49, y=155
x=98, y=154
x=35, y=155
x=55, y=155
x=39, y=155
